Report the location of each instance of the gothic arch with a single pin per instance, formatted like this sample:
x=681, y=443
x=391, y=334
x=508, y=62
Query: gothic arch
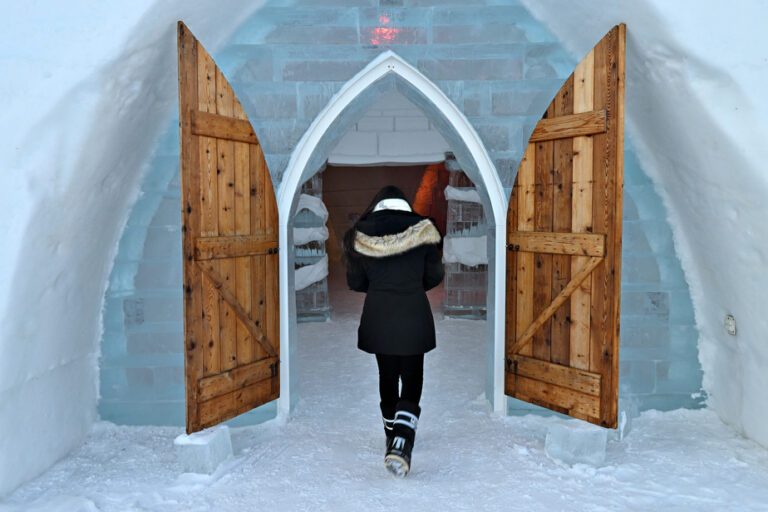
x=390, y=70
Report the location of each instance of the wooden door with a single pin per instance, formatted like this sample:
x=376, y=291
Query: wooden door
x=230, y=241
x=564, y=246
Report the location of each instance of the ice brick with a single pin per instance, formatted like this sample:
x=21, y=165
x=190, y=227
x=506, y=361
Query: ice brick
x=576, y=442
x=202, y=452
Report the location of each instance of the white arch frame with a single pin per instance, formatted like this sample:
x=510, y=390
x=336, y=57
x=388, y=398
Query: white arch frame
x=390, y=62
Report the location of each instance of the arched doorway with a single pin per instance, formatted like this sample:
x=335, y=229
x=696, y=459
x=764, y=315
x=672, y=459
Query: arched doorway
x=384, y=73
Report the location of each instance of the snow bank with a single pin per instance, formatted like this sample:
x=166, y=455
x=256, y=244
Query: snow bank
x=329, y=455
x=696, y=110
x=87, y=88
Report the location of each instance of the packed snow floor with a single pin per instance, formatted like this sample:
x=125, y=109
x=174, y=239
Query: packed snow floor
x=329, y=454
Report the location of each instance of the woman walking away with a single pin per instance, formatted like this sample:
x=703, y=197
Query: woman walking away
x=393, y=255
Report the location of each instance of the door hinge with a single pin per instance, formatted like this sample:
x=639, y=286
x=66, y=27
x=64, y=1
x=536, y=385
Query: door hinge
x=274, y=369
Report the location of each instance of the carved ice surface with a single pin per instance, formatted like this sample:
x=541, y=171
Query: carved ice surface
x=203, y=451
x=576, y=442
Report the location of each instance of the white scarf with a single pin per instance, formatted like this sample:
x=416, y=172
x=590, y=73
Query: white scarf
x=392, y=203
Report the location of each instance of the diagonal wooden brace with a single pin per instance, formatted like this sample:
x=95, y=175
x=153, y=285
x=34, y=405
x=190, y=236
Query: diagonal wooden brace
x=558, y=301
x=218, y=283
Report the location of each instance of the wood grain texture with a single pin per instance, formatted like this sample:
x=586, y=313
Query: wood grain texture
x=239, y=377
x=510, y=324
x=561, y=223
x=550, y=394
x=574, y=243
x=219, y=283
x=244, y=343
x=580, y=244
x=259, y=176
x=215, y=247
x=229, y=232
x=190, y=219
x=226, y=214
x=563, y=127
x=581, y=212
x=542, y=273
x=211, y=323
x=224, y=127
x=565, y=376
x=608, y=403
x=525, y=337
x=236, y=402
x=525, y=261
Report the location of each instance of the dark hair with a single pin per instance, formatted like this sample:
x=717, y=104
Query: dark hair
x=348, y=243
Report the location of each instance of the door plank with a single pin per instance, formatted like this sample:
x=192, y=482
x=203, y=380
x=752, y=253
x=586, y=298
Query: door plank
x=226, y=170
x=574, y=283
x=219, y=283
x=211, y=354
x=582, y=123
x=206, y=102
x=236, y=402
x=556, y=395
x=604, y=342
x=582, y=244
x=511, y=282
x=581, y=214
x=525, y=222
x=258, y=174
x=272, y=293
x=608, y=405
x=571, y=378
x=244, y=344
x=207, y=248
x=542, y=277
x=243, y=295
x=222, y=126
x=242, y=206
x=190, y=217
x=561, y=222
x=243, y=274
x=239, y=377
x=259, y=180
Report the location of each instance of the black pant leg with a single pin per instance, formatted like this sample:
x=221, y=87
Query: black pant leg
x=412, y=374
x=389, y=373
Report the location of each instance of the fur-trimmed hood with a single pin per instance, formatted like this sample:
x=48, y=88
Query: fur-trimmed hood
x=422, y=232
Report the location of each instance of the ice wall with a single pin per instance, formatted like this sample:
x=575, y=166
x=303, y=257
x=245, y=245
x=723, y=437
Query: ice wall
x=283, y=80
x=393, y=130
x=285, y=64
x=87, y=88
x=696, y=108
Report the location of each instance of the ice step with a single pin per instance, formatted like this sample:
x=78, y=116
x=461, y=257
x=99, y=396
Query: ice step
x=576, y=442
x=203, y=451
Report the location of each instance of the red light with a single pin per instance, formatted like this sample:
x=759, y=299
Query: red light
x=384, y=35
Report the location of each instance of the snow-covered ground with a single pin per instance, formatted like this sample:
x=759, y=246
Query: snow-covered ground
x=329, y=454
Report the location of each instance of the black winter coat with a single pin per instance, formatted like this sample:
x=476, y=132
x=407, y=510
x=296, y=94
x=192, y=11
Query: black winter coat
x=400, y=260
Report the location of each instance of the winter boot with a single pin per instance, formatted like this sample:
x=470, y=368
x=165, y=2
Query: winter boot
x=398, y=458
x=388, y=418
